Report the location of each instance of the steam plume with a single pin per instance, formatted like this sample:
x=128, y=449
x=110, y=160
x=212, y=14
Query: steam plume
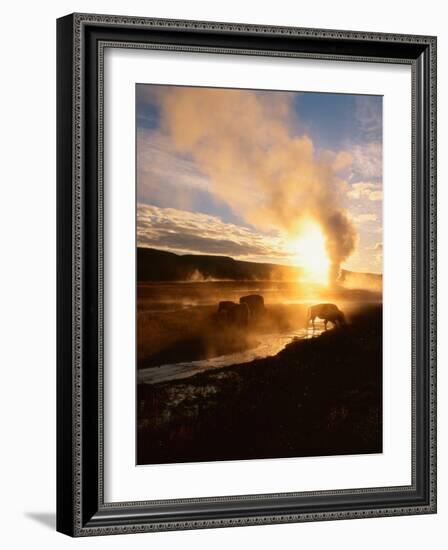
x=244, y=141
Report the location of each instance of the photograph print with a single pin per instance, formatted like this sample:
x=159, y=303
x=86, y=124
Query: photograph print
x=258, y=274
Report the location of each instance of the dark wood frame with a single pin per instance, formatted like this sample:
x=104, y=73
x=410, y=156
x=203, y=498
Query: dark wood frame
x=81, y=39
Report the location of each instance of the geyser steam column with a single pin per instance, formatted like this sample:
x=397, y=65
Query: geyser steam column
x=256, y=158
x=340, y=241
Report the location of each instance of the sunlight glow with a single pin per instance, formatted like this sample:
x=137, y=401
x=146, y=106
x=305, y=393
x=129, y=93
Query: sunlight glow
x=311, y=254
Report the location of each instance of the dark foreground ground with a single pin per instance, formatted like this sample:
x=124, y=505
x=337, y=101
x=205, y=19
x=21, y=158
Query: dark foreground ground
x=321, y=396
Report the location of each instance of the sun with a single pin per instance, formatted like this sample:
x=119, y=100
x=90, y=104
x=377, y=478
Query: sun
x=311, y=254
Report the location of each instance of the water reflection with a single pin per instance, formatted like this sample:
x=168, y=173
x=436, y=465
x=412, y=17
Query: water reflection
x=268, y=346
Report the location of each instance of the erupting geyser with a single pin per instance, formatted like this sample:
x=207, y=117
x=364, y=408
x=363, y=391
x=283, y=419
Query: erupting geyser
x=247, y=144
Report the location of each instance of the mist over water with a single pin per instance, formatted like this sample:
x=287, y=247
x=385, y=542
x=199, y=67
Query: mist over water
x=178, y=295
x=170, y=314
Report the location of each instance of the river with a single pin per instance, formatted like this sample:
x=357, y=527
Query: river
x=268, y=346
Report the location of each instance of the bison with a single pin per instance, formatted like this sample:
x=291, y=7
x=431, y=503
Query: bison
x=233, y=313
x=239, y=315
x=326, y=312
x=255, y=303
x=225, y=306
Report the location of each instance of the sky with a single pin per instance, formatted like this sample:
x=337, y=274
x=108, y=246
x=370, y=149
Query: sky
x=239, y=172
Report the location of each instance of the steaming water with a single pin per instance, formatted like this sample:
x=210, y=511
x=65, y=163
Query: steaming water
x=175, y=295
x=269, y=345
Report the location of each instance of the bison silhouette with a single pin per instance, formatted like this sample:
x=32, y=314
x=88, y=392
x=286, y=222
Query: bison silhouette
x=225, y=306
x=255, y=303
x=233, y=313
x=326, y=312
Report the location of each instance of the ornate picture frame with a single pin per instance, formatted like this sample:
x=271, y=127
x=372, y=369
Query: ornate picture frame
x=81, y=506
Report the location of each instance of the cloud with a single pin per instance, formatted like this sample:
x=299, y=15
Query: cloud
x=188, y=232
x=378, y=253
x=376, y=196
x=342, y=161
x=367, y=190
x=367, y=161
x=369, y=114
x=365, y=218
x=164, y=176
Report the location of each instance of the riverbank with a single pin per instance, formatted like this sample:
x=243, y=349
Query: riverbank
x=316, y=397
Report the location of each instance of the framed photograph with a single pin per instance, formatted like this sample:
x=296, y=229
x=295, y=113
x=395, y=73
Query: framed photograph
x=246, y=274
